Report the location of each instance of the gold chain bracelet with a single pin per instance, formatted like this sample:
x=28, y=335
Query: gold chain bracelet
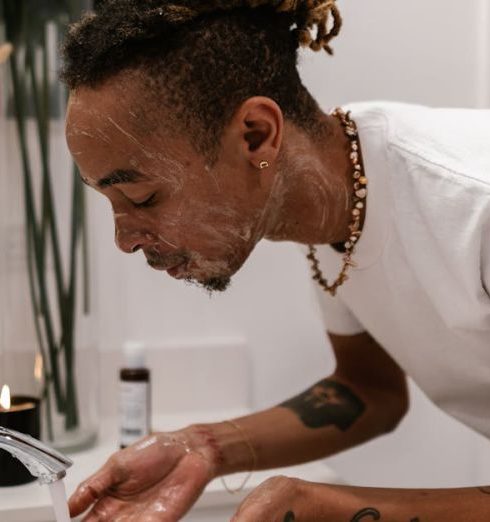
x=254, y=460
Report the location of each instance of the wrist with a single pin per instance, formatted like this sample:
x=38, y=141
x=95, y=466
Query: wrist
x=311, y=499
x=224, y=445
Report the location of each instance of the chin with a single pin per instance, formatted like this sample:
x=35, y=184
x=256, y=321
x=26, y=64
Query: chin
x=211, y=284
x=212, y=275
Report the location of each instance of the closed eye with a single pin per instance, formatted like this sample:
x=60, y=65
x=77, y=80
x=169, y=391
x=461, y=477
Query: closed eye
x=147, y=203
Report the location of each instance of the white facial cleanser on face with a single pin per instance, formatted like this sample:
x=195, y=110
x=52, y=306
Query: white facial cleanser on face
x=134, y=396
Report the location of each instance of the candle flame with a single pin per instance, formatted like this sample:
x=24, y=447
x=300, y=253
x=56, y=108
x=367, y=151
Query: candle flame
x=5, y=397
x=6, y=50
x=38, y=367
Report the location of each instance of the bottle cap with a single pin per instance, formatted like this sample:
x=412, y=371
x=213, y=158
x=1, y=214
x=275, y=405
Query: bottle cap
x=134, y=355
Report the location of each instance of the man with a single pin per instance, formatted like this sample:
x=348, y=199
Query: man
x=192, y=119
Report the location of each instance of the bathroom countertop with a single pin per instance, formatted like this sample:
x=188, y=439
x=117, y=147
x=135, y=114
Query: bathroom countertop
x=31, y=502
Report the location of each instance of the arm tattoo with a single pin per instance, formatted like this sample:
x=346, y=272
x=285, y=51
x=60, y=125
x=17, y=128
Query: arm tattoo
x=367, y=512
x=326, y=403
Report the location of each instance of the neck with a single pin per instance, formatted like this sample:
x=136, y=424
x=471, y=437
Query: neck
x=313, y=187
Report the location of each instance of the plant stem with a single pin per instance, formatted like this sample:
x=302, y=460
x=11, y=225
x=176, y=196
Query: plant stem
x=42, y=239
x=71, y=419
x=85, y=250
x=19, y=97
x=37, y=326
x=42, y=126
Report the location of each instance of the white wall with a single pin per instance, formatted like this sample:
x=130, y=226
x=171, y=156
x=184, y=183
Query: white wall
x=418, y=51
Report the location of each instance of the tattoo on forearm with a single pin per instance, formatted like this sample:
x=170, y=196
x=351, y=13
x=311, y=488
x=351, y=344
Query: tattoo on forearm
x=373, y=514
x=366, y=512
x=485, y=490
x=327, y=403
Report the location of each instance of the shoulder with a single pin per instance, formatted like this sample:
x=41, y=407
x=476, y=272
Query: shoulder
x=444, y=142
x=452, y=142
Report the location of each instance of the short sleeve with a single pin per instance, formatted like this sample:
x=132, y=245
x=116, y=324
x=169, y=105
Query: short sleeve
x=337, y=317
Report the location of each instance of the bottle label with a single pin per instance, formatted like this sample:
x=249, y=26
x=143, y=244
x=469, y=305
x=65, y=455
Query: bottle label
x=134, y=411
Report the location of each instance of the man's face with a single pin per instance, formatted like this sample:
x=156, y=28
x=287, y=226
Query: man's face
x=195, y=221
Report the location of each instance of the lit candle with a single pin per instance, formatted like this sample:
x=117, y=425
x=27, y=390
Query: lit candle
x=5, y=402
x=38, y=374
x=18, y=413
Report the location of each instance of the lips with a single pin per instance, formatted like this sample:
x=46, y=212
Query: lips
x=164, y=266
x=163, y=261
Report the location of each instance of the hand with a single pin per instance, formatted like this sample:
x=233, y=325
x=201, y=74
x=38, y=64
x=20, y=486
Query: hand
x=278, y=499
x=156, y=479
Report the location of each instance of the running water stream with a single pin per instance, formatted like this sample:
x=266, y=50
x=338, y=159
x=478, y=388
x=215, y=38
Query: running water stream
x=58, y=496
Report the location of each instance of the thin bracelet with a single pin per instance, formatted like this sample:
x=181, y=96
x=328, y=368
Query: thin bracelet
x=254, y=460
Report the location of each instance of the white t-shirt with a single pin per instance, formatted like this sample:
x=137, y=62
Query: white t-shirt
x=422, y=285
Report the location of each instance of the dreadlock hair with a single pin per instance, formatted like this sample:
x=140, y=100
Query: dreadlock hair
x=202, y=58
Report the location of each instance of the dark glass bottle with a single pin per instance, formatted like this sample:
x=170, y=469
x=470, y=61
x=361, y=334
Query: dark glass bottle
x=134, y=396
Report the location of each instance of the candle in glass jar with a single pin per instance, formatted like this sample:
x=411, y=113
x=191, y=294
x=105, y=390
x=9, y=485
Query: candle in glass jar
x=19, y=413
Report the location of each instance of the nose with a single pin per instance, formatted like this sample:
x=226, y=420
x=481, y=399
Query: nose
x=127, y=239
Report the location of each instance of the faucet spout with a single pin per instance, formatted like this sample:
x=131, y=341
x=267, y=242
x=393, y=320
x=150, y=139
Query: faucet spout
x=43, y=462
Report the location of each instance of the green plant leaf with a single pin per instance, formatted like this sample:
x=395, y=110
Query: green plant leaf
x=25, y=24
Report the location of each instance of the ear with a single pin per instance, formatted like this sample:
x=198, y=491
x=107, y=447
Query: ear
x=257, y=128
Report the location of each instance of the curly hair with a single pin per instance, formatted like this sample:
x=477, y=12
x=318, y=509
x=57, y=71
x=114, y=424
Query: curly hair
x=202, y=58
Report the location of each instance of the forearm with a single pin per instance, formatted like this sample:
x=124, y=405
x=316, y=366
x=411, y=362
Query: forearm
x=328, y=418
x=353, y=504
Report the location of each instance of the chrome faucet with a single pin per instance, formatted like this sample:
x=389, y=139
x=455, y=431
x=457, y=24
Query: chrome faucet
x=43, y=462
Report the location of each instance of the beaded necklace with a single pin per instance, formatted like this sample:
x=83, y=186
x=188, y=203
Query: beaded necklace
x=358, y=208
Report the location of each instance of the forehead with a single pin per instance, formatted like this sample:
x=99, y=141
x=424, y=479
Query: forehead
x=111, y=109
x=109, y=127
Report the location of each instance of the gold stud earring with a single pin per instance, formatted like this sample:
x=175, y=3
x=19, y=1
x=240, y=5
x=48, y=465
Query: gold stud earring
x=264, y=165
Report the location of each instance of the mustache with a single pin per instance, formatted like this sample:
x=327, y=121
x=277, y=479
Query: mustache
x=165, y=261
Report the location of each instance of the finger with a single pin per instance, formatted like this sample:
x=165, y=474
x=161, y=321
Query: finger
x=106, y=509
x=251, y=510
x=90, y=490
x=243, y=516
x=242, y=510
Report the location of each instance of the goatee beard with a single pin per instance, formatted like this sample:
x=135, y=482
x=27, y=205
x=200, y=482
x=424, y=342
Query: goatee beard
x=213, y=284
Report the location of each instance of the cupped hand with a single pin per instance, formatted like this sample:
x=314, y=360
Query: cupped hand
x=278, y=499
x=158, y=479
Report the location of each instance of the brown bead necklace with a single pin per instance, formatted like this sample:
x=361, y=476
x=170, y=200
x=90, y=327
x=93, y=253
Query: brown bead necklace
x=358, y=208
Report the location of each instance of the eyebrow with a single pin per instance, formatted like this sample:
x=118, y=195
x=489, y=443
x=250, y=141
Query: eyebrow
x=120, y=176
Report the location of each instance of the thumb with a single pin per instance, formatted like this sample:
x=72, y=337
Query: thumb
x=91, y=490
